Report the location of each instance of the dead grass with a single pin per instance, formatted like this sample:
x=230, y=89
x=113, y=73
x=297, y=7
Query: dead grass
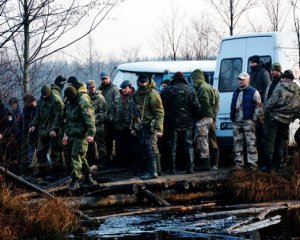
x=21, y=219
x=259, y=186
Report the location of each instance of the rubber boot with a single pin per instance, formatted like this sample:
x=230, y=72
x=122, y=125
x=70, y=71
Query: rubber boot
x=204, y=164
x=172, y=166
x=152, y=170
x=215, y=155
x=159, y=172
x=190, y=165
x=88, y=180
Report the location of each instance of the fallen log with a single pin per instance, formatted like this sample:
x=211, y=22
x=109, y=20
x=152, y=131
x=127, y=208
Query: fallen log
x=258, y=225
x=161, y=209
x=38, y=189
x=153, y=198
x=290, y=204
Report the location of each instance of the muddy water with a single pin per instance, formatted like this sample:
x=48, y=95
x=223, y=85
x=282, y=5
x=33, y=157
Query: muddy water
x=190, y=226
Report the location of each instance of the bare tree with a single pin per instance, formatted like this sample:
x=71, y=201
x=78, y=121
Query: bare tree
x=160, y=42
x=231, y=11
x=42, y=27
x=131, y=54
x=277, y=13
x=296, y=9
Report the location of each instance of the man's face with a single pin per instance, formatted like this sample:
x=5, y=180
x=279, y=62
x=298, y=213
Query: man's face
x=143, y=83
x=274, y=73
x=105, y=80
x=243, y=82
x=92, y=89
x=14, y=106
x=253, y=64
x=126, y=90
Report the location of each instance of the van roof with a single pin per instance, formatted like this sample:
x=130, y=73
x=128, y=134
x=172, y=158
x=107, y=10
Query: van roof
x=168, y=66
x=283, y=39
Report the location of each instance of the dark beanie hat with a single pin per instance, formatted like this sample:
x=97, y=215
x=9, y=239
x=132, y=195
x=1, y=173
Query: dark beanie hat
x=74, y=82
x=143, y=78
x=28, y=98
x=178, y=75
x=71, y=94
x=288, y=74
x=276, y=67
x=254, y=59
x=60, y=81
x=12, y=100
x=125, y=83
x=46, y=91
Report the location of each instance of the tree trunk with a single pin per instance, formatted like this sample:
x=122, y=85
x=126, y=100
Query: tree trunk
x=26, y=49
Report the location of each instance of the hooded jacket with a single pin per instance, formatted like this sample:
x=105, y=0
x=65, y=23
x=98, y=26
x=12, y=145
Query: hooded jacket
x=205, y=95
x=284, y=104
x=149, y=106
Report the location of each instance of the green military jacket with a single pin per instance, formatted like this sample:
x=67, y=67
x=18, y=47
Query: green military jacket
x=121, y=111
x=55, y=89
x=80, y=118
x=149, y=106
x=49, y=115
x=99, y=105
x=205, y=94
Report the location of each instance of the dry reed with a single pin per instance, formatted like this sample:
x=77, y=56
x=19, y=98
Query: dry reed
x=258, y=186
x=22, y=219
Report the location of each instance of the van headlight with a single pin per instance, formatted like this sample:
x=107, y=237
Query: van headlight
x=226, y=125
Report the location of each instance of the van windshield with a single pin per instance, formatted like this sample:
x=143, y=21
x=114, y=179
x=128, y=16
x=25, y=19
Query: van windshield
x=229, y=72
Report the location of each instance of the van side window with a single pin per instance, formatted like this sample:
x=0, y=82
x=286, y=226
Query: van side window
x=229, y=71
x=266, y=63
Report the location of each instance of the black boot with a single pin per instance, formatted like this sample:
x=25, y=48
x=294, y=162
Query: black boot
x=172, y=165
x=152, y=170
x=190, y=165
x=159, y=172
x=88, y=180
x=204, y=164
x=215, y=155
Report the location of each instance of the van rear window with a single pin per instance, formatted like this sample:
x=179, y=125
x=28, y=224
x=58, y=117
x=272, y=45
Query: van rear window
x=229, y=71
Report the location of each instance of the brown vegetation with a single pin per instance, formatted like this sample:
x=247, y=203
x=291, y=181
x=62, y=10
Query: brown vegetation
x=20, y=218
x=259, y=186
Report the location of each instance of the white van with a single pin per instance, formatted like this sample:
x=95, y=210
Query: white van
x=160, y=70
x=233, y=58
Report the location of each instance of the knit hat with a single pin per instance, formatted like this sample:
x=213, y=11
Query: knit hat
x=254, y=59
x=28, y=98
x=125, y=83
x=12, y=100
x=90, y=84
x=74, y=82
x=46, y=91
x=288, y=74
x=244, y=75
x=60, y=81
x=276, y=67
x=178, y=75
x=71, y=94
x=104, y=74
x=143, y=78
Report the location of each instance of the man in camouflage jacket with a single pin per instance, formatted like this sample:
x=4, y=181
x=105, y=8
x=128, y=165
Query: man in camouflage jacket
x=204, y=122
x=48, y=121
x=181, y=107
x=79, y=131
x=147, y=120
x=280, y=111
x=97, y=148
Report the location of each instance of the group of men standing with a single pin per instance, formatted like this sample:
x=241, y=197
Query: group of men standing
x=262, y=109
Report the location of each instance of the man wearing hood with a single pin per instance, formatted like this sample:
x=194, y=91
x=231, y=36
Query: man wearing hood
x=181, y=109
x=58, y=85
x=280, y=111
x=147, y=122
x=110, y=92
x=204, y=121
x=244, y=111
x=48, y=121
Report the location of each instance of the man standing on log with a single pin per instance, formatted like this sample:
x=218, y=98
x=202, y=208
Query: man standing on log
x=149, y=122
x=245, y=108
x=79, y=131
x=181, y=108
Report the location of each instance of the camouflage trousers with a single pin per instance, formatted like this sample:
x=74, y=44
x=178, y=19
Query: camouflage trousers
x=244, y=130
x=78, y=149
x=201, y=137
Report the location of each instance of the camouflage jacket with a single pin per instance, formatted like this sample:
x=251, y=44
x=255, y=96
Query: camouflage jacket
x=56, y=89
x=110, y=93
x=180, y=104
x=49, y=115
x=149, y=106
x=80, y=118
x=121, y=111
x=284, y=104
x=99, y=105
